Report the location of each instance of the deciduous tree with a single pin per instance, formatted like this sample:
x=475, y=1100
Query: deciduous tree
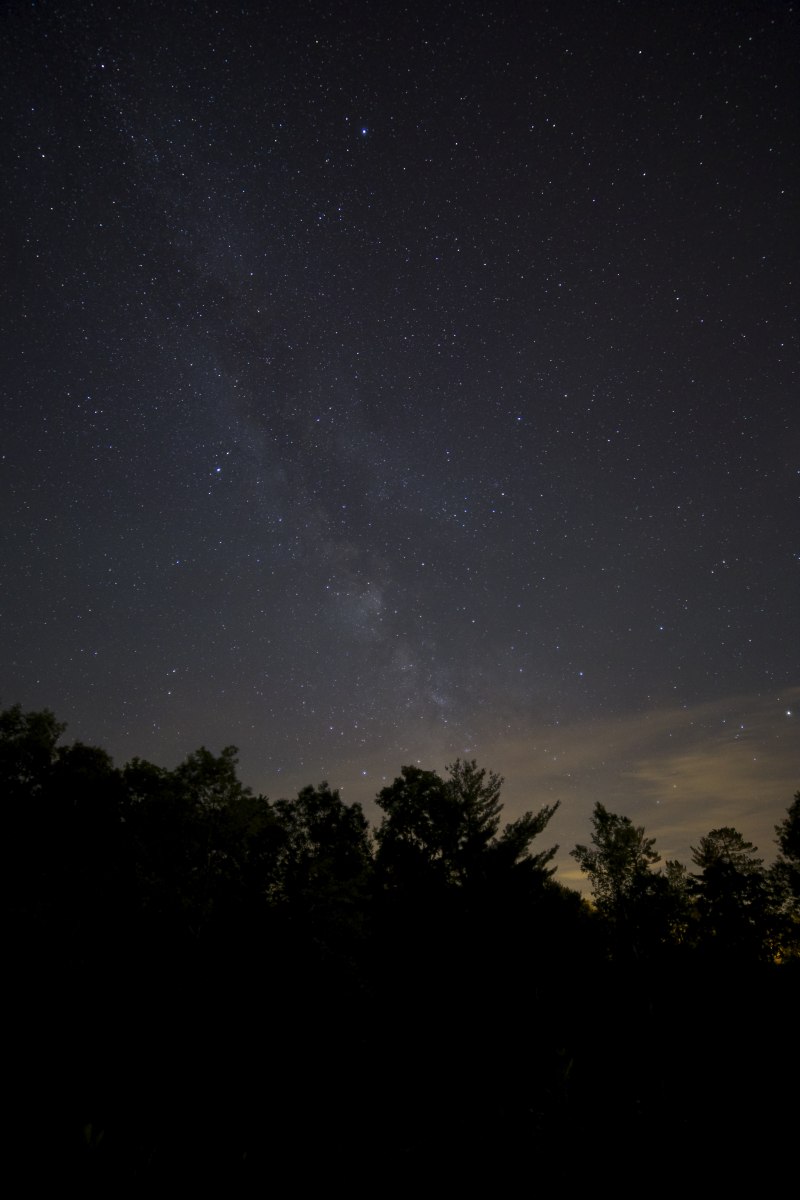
x=618, y=862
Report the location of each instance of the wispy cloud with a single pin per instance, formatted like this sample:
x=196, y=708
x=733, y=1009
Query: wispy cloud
x=679, y=772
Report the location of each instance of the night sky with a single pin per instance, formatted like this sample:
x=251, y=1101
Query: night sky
x=391, y=383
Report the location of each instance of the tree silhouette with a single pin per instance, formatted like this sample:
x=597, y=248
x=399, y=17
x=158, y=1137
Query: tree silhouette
x=788, y=832
x=28, y=748
x=644, y=909
x=323, y=869
x=618, y=862
x=786, y=871
x=731, y=893
x=205, y=846
x=325, y=841
x=445, y=831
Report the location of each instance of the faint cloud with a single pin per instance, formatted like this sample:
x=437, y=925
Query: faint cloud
x=680, y=772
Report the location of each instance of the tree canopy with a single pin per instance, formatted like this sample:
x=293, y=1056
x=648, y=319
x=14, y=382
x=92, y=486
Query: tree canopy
x=618, y=862
x=731, y=893
x=787, y=867
x=446, y=830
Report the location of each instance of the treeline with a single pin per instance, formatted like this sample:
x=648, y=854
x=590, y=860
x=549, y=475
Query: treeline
x=210, y=986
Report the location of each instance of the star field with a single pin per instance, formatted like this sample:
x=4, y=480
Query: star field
x=388, y=386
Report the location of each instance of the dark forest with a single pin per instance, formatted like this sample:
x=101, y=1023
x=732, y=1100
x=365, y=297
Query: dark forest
x=208, y=986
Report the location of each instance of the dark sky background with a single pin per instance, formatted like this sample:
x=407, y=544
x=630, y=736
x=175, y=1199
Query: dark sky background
x=392, y=383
